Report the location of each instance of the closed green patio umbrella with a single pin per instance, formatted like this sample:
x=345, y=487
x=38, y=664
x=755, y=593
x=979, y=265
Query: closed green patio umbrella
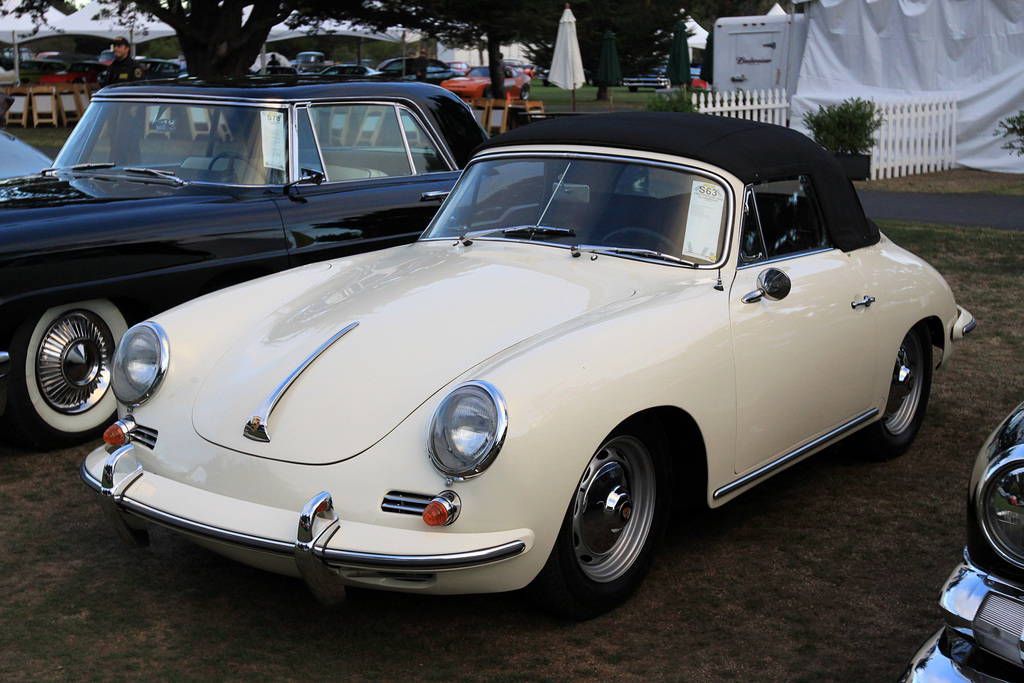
x=609, y=73
x=678, y=70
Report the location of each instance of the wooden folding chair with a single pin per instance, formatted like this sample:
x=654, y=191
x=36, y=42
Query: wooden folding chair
x=71, y=108
x=44, y=106
x=18, y=113
x=481, y=107
x=497, y=117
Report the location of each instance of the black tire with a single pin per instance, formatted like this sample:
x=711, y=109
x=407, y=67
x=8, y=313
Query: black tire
x=59, y=385
x=487, y=92
x=892, y=435
x=601, y=556
x=524, y=92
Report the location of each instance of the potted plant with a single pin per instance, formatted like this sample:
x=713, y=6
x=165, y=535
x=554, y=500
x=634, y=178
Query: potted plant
x=848, y=131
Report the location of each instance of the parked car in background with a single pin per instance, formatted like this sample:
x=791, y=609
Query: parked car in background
x=655, y=78
x=459, y=67
x=982, y=601
x=309, y=62
x=349, y=70
x=520, y=64
x=31, y=70
x=155, y=69
x=477, y=83
x=587, y=334
x=166, y=190
x=18, y=158
x=106, y=57
x=77, y=72
x=437, y=71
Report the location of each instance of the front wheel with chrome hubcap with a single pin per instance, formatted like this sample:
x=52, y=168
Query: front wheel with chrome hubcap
x=59, y=388
x=616, y=517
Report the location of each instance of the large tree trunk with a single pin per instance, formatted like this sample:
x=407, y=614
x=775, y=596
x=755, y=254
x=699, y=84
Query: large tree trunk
x=497, y=67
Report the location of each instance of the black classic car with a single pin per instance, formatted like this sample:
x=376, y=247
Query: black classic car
x=167, y=191
x=982, y=602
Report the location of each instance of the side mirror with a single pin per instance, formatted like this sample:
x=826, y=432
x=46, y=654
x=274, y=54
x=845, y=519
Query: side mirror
x=772, y=284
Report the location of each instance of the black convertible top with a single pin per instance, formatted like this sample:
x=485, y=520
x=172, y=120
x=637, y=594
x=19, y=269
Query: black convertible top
x=751, y=151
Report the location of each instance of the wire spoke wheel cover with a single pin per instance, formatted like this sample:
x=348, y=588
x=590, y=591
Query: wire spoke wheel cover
x=73, y=362
x=613, y=509
x=905, y=389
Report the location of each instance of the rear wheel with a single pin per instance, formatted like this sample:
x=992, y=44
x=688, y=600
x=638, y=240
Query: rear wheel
x=612, y=527
x=59, y=385
x=907, y=401
x=524, y=92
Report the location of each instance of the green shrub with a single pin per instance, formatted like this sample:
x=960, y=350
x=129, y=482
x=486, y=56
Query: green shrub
x=846, y=128
x=679, y=99
x=1012, y=128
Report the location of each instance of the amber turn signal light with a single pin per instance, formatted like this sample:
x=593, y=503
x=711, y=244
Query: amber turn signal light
x=443, y=509
x=114, y=435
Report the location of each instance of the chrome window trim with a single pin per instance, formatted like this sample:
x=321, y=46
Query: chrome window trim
x=718, y=179
x=787, y=257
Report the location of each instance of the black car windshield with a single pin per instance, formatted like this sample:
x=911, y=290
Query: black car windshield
x=589, y=202
x=200, y=142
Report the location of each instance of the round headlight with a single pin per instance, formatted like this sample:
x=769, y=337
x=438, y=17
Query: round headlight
x=467, y=430
x=140, y=362
x=1003, y=512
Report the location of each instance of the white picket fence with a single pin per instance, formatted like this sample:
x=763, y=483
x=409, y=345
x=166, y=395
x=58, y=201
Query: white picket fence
x=918, y=135
x=766, y=106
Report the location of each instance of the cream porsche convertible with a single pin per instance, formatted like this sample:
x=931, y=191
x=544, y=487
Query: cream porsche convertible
x=609, y=314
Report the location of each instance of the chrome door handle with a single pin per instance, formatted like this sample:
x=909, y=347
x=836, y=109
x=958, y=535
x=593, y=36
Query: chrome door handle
x=865, y=302
x=434, y=196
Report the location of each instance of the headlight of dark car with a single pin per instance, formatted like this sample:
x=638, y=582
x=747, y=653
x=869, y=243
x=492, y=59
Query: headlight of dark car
x=1002, y=511
x=467, y=430
x=140, y=363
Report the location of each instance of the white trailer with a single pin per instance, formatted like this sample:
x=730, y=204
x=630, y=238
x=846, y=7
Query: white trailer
x=759, y=52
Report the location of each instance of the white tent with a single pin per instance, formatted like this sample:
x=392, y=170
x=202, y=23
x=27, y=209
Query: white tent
x=328, y=28
x=698, y=40
x=891, y=49
x=136, y=27
x=15, y=29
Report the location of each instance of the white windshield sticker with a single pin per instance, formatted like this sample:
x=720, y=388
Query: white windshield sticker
x=704, y=221
x=272, y=128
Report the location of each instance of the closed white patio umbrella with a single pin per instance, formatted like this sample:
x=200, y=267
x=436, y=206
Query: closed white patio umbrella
x=567, y=64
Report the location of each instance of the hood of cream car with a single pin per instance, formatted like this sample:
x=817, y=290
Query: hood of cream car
x=426, y=314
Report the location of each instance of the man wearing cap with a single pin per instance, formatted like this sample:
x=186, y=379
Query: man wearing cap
x=123, y=68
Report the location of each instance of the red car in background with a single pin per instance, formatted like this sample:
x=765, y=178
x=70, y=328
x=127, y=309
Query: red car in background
x=77, y=72
x=477, y=83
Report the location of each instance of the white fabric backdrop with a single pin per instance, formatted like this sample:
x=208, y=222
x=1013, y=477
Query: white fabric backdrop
x=887, y=49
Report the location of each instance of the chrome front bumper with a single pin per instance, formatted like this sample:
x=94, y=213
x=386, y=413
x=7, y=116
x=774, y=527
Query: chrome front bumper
x=320, y=566
x=983, y=640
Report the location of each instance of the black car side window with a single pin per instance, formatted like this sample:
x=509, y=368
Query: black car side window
x=782, y=219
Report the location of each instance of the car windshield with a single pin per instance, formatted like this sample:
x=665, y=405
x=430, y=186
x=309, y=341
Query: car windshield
x=200, y=142
x=590, y=203
x=480, y=71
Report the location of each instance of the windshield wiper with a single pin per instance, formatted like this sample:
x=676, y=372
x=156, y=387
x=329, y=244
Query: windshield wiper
x=156, y=173
x=79, y=167
x=467, y=238
x=642, y=253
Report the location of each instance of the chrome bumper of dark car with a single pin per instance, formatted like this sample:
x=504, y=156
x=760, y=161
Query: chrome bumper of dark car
x=317, y=522
x=983, y=640
x=5, y=369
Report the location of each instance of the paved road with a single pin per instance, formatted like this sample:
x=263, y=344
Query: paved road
x=1001, y=212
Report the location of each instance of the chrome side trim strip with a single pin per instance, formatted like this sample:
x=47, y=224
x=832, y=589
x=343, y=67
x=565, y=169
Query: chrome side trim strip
x=771, y=467
x=256, y=428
